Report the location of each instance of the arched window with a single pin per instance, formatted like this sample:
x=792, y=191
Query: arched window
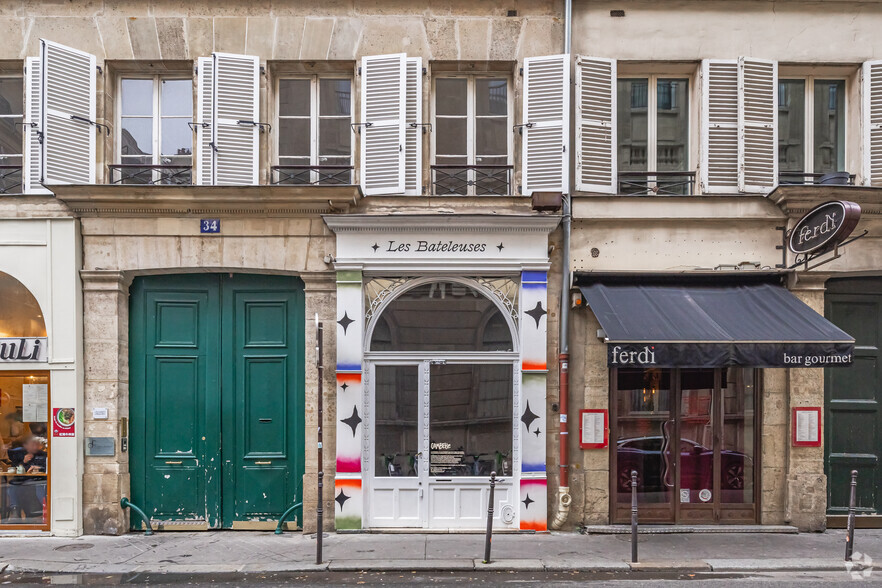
x=442, y=316
x=20, y=314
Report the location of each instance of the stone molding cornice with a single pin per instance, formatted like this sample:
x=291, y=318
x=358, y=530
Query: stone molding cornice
x=105, y=281
x=442, y=223
x=795, y=201
x=315, y=282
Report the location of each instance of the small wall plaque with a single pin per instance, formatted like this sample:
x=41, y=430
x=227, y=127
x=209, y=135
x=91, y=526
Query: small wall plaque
x=209, y=225
x=806, y=426
x=100, y=446
x=594, y=428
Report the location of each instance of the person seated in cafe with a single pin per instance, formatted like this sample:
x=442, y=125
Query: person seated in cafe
x=27, y=493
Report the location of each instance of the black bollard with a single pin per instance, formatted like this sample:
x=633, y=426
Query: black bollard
x=849, y=538
x=633, y=516
x=489, y=536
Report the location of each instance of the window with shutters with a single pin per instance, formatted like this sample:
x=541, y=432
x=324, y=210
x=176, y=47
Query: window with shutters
x=11, y=139
x=472, y=135
x=154, y=140
x=811, y=129
x=315, y=138
x=653, y=135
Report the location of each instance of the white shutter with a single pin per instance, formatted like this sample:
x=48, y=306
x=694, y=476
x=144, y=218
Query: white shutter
x=871, y=122
x=546, y=119
x=204, y=159
x=236, y=138
x=757, y=125
x=383, y=112
x=719, y=126
x=68, y=108
x=31, y=160
x=413, y=132
x=596, y=162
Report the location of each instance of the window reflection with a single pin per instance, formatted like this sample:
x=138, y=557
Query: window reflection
x=396, y=443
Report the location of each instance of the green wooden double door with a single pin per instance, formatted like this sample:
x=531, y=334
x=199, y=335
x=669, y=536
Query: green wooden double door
x=853, y=399
x=216, y=397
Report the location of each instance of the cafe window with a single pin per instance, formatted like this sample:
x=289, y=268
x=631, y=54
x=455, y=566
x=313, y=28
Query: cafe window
x=472, y=134
x=811, y=128
x=155, y=143
x=11, y=109
x=653, y=135
x=314, y=131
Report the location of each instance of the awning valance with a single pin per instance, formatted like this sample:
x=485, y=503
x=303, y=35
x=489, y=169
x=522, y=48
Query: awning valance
x=713, y=325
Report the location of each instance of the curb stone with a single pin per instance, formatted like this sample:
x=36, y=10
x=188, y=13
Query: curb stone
x=519, y=565
x=395, y=565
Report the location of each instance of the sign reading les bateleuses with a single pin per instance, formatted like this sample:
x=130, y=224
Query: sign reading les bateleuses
x=824, y=227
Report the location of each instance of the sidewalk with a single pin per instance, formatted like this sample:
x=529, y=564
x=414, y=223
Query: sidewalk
x=240, y=551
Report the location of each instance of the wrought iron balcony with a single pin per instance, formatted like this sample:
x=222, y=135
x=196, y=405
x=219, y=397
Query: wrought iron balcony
x=137, y=173
x=659, y=183
x=10, y=179
x=312, y=175
x=828, y=179
x=467, y=180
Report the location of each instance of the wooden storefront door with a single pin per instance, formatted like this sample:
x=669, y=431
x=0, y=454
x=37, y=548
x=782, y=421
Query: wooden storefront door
x=852, y=397
x=216, y=400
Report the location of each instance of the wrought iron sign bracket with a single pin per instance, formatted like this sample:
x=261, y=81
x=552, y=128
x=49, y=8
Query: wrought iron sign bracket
x=806, y=258
x=97, y=125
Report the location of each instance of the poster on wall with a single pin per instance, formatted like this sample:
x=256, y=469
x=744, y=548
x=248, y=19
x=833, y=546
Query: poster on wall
x=63, y=424
x=35, y=403
x=594, y=429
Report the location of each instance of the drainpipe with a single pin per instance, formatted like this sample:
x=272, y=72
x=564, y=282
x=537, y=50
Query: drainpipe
x=564, y=500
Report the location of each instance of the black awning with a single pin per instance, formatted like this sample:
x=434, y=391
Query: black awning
x=713, y=325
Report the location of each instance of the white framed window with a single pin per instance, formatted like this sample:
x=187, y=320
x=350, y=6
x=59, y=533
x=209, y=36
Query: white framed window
x=154, y=140
x=472, y=138
x=653, y=135
x=811, y=128
x=11, y=135
x=315, y=138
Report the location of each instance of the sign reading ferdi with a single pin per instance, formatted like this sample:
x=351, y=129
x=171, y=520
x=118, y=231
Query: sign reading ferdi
x=824, y=227
x=23, y=349
x=697, y=355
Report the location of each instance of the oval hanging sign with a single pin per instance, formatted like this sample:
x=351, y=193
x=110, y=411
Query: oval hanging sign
x=824, y=227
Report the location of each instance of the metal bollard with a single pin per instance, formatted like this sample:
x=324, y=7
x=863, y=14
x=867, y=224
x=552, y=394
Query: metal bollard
x=489, y=536
x=849, y=538
x=633, y=516
x=319, y=515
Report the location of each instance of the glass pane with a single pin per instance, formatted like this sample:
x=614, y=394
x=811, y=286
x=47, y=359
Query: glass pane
x=294, y=137
x=470, y=420
x=791, y=129
x=672, y=125
x=696, y=436
x=177, y=175
x=645, y=432
x=10, y=136
x=10, y=174
x=20, y=314
x=11, y=96
x=176, y=97
x=737, y=451
x=441, y=316
x=137, y=98
x=137, y=136
x=24, y=448
x=491, y=97
x=335, y=136
x=829, y=126
x=632, y=124
x=491, y=136
x=335, y=98
x=293, y=175
x=177, y=139
x=397, y=432
x=450, y=136
x=134, y=175
x=294, y=97
x=450, y=96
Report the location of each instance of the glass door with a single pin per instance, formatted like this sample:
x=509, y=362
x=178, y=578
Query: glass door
x=398, y=473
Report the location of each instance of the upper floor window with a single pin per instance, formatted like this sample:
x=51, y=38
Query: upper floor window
x=314, y=131
x=11, y=110
x=472, y=136
x=653, y=135
x=811, y=128
x=155, y=143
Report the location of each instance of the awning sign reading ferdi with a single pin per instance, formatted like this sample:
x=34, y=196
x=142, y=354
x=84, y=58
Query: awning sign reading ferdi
x=712, y=323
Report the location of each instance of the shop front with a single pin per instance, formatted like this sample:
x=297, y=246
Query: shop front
x=441, y=370
x=40, y=389
x=688, y=356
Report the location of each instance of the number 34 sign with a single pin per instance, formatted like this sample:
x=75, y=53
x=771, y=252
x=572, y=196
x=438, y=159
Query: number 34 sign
x=209, y=225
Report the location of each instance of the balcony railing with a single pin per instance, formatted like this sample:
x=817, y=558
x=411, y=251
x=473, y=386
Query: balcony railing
x=829, y=179
x=137, y=173
x=10, y=179
x=312, y=175
x=465, y=180
x=659, y=183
